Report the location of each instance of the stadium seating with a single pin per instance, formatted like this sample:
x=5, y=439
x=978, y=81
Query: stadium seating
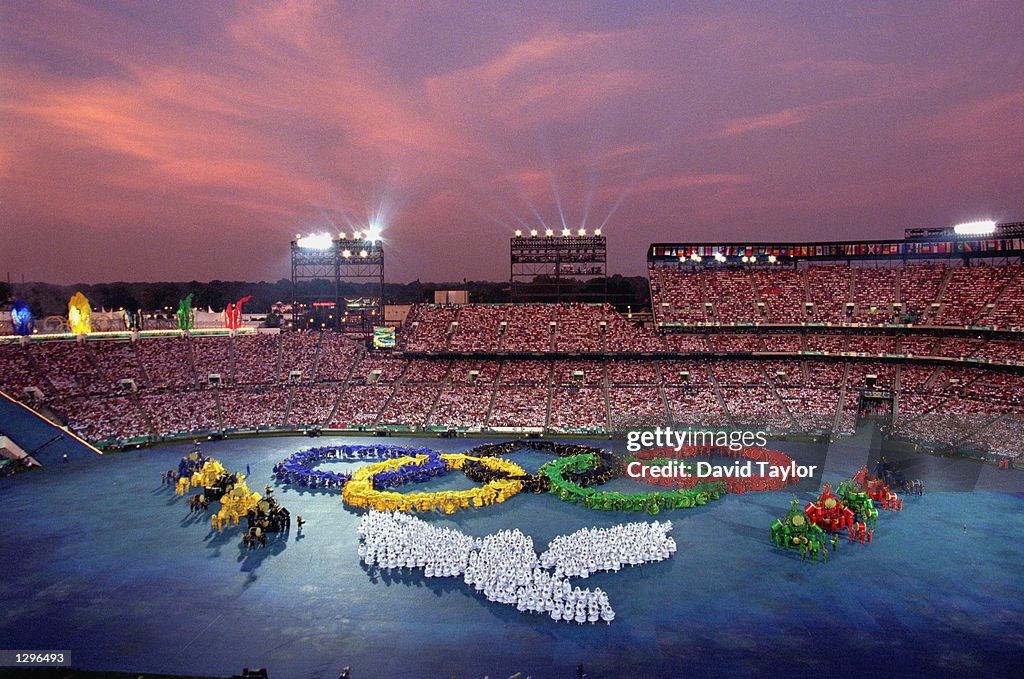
x=806, y=379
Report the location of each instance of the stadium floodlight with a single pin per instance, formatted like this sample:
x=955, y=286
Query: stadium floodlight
x=698, y=259
x=771, y=259
x=533, y=233
x=358, y=235
x=582, y=232
x=753, y=259
x=549, y=233
x=363, y=253
x=979, y=228
x=346, y=253
x=597, y=232
x=565, y=232
x=319, y=241
x=745, y=259
x=519, y=233
x=341, y=235
x=373, y=235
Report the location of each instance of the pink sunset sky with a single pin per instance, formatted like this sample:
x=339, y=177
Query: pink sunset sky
x=187, y=140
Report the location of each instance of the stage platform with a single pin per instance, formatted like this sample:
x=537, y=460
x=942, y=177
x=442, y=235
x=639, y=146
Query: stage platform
x=104, y=561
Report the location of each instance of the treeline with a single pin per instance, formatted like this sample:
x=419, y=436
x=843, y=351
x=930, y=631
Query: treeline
x=47, y=299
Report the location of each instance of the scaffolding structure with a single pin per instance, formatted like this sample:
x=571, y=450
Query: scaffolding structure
x=543, y=267
x=320, y=264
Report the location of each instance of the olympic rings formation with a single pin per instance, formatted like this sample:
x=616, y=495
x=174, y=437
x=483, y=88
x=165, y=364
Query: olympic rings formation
x=298, y=468
x=570, y=478
x=361, y=490
x=608, y=466
x=591, y=498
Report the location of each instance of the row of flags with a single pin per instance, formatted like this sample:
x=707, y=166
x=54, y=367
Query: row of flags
x=891, y=248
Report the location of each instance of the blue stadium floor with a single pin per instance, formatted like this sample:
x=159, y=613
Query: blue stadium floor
x=102, y=560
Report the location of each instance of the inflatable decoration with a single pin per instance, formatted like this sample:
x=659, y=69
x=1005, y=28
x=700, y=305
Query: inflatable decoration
x=79, y=314
x=233, y=314
x=504, y=566
x=362, y=491
x=773, y=480
x=186, y=314
x=21, y=318
x=557, y=472
x=796, y=531
x=829, y=512
x=880, y=491
x=298, y=469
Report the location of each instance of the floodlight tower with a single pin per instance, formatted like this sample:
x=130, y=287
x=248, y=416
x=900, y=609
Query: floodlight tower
x=320, y=264
x=541, y=264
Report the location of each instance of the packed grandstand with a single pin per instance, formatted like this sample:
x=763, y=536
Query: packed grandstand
x=791, y=349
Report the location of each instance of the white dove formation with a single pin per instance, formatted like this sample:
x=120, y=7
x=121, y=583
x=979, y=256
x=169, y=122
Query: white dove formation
x=505, y=567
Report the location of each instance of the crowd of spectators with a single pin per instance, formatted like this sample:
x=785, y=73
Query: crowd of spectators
x=528, y=327
x=298, y=353
x=576, y=408
x=919, y=293
x=636, y=406
x=212, y=356
x=166, y=362
x=117, y=360
x=479, y=328
x=104, y=419
x=736, y=342
x=874, y=293
x=425, y=371
x=678, y=296
x=968, y=290
x=185, y=411
x=256, y=358
x=946, y=403
x=67, y=367
x=519, y=405
x=695, y=405
x=919, y=289
x=783, y=293
x=410, y=404
x=359, y=405
x=261, y=407
x=337, y=356
x=462, y=405
x=312, y=405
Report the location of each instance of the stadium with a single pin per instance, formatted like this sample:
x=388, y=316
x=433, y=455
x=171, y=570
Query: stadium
x=845, y=354
x=586, y=340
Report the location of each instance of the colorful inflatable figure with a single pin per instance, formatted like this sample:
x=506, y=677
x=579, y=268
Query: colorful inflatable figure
x=796, y=531
x=21, y=318
x=859, y=502
x=79, y=314
x=186, y=314
x=829, y=512
x=233, y=314
x=877, y=489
